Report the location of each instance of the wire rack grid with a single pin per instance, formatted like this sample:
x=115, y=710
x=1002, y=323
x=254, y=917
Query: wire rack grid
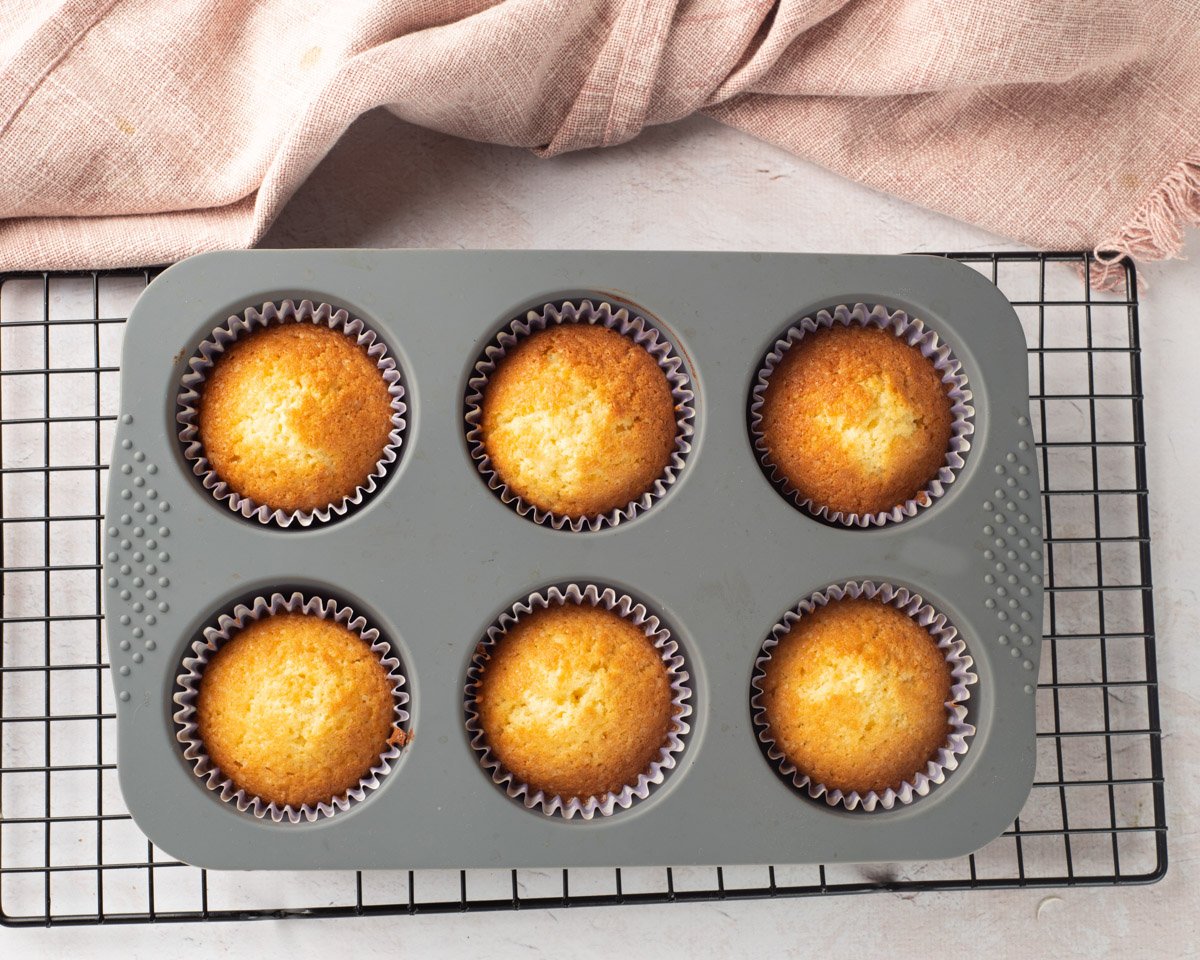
x=70, y=854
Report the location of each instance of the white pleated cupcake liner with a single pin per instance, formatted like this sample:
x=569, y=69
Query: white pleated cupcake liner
x=637, y=329
x=962, y=678
x=606, y=804
x=913, y=332
x=211, y=350
x=188, y=685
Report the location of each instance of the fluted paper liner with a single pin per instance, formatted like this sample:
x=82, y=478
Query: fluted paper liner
x=188, y=685
x=913, y=332
x=953, y=649
x=636, y=613
x=642, y=332
x=211, y=350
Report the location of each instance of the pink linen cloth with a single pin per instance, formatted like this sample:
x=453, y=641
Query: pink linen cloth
x=140, y=131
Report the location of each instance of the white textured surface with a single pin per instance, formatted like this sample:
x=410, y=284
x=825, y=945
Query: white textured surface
x=700, y=186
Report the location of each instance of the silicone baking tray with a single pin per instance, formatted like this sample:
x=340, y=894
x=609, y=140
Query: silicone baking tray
x=434, y=556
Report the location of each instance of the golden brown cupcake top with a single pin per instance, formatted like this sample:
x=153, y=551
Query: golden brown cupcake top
x=855, y=696
x=576, y=701
x=856, y=419
x=295, y=709
x=578, y=420
x=294, y=416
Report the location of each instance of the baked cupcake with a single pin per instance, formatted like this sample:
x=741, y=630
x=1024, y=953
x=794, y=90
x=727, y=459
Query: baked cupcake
x=855, y=696
x=295, y=417
x=856, y=421
x=577, y=420
x=295, y=710
x=574, y=705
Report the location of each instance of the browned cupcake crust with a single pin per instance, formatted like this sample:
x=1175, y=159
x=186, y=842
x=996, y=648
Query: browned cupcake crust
x=295, y=416
x=578, y=420
x=295, y=709
x=856, y=419
x=855, y=696
x=576, y=701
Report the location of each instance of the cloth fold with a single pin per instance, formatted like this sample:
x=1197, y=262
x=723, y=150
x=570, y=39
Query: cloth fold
x=141, y=131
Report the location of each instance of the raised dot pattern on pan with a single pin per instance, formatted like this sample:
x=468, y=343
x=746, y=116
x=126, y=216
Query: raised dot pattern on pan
x=1012, y=534
x=138, y=559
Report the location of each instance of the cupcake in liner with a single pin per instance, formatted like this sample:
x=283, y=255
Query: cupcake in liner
x=637, y=329
x=913, y=332
x=253, y=319
x=188, y=685
x=961, y=677
x=604, y=804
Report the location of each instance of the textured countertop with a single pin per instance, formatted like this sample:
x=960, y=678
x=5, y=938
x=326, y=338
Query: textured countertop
x=698, y=185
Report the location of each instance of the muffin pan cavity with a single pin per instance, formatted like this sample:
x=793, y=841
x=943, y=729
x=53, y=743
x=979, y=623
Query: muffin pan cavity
x=886, y=405
x=601, y=440
x=224, y=630
x=562, y=701
x=951, y=711
x=434, y=555
x=280, y=398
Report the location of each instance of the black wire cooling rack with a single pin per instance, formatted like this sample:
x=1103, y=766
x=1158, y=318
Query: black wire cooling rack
x=69, y=853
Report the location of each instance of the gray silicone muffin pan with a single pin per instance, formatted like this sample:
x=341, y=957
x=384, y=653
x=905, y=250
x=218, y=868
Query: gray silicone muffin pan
x=434, y=556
